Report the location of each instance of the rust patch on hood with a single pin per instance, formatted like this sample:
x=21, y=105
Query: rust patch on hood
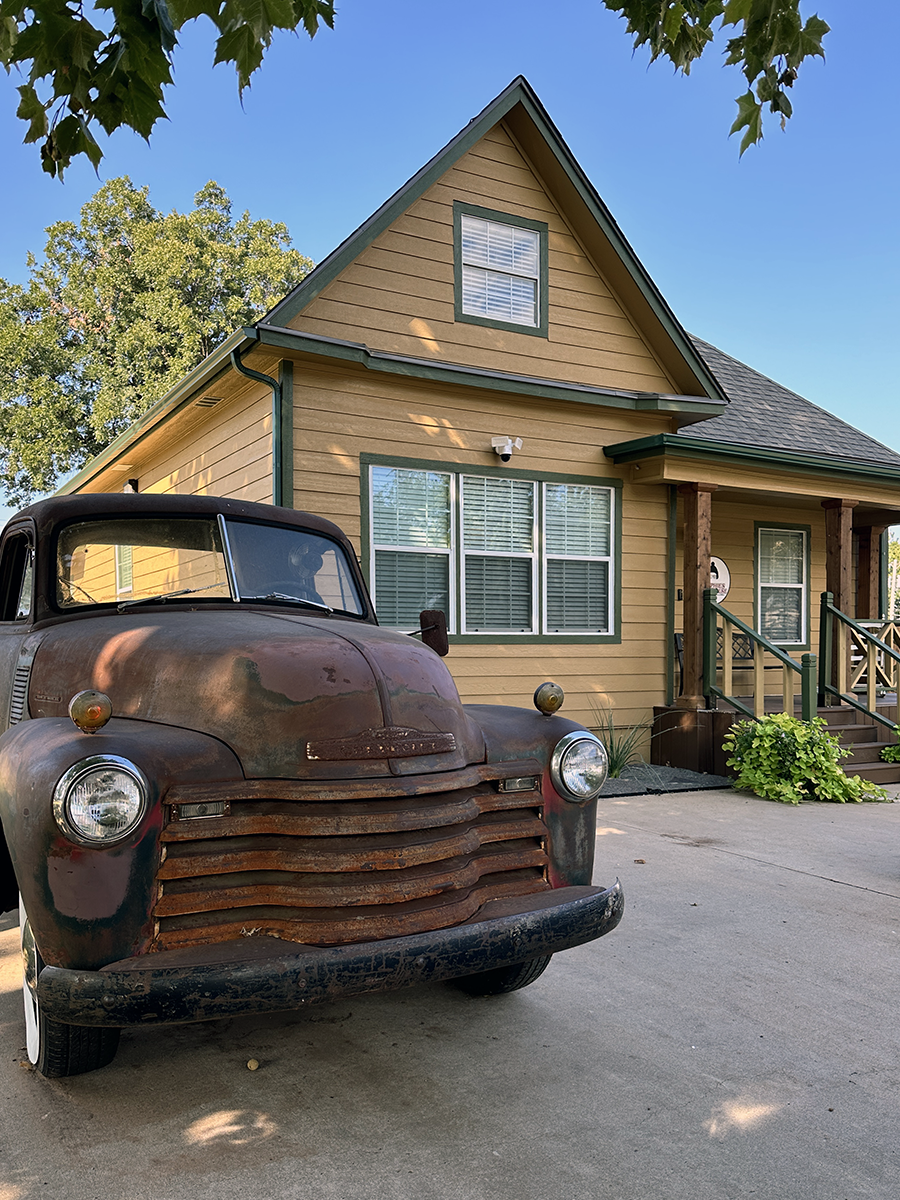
x=268, y=685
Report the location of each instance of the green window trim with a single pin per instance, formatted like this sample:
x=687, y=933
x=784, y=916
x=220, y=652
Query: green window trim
x=461, y=209
x=804, y=587
x=457, y=471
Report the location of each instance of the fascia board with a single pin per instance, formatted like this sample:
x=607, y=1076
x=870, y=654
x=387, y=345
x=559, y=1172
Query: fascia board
x=670, y=445
x=695, y=407
x=211, y=369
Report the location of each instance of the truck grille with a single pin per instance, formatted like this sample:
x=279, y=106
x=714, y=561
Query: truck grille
x=329, y=871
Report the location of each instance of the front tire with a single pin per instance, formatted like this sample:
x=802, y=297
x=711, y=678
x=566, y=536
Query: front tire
x=504, y=979
x=55, y=1049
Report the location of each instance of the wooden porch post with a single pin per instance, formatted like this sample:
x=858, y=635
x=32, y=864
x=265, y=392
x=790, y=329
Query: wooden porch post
x=697, y=528
x=838, y=551
x=868, y=588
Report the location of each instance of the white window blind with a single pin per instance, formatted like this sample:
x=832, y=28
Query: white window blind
x=500, y=271
x=781, y=570
x=524, y=559
x=412, y=543
x=498, y=554
x=124, y=568
x=577, y=545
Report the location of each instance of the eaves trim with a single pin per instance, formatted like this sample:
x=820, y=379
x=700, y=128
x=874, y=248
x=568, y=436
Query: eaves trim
x=673, y=446
x=212, y=368
x=697, y=407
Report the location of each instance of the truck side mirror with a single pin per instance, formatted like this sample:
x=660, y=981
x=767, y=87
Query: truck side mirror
x=433, y=624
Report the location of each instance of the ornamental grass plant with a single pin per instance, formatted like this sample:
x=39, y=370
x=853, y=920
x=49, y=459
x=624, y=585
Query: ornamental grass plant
x=621, y=744
x=782, y=758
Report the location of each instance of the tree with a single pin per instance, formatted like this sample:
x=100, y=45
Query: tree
x=82, y=75
x=772, y=43
x=121, y=307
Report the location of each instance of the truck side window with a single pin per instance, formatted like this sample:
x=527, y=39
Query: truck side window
x=16, y=578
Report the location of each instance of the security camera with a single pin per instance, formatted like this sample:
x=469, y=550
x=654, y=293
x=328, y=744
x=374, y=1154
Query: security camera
x=504, y=446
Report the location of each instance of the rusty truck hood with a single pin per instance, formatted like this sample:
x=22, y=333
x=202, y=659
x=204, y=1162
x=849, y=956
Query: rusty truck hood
x=294, y=696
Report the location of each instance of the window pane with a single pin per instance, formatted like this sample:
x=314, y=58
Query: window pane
x=781, y=558
x=577, y=596
x=781, y=614
x=406, y=583
x=410, y=508
x=124, y=568
x=504, y=247
x=165, y=555
x=498, y=594
x=499, y=297
x=577, y=519
x=26, y=590
x=498, y=514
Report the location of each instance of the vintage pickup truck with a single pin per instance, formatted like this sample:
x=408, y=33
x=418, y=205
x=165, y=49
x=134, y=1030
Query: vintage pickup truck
x=225, y=789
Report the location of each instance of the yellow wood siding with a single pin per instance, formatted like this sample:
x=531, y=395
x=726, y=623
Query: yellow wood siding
x=221, y=451
x=341, y=414
x=398, y=294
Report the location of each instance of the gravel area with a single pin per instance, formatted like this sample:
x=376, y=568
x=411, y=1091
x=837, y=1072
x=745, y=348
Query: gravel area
x=643, y=780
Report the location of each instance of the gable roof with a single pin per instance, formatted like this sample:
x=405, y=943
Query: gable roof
x=763, y=414
x=524, y=115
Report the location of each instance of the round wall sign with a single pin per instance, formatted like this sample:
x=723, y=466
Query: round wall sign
x=719, y=577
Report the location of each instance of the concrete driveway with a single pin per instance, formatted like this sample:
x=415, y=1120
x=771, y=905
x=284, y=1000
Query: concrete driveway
x=737, y=1036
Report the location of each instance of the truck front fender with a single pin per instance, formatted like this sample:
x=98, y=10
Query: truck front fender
x=90, y=906
x=513, y=733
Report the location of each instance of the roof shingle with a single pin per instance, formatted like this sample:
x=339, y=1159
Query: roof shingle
x=762, y=413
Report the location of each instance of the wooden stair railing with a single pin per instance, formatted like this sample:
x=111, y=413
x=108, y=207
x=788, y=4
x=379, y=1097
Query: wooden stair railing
x=733, y=627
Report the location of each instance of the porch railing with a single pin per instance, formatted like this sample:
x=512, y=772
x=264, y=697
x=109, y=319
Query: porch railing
x=849, y=653
x=733, y=626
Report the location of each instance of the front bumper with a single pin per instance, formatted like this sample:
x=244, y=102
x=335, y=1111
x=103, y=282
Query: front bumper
x=258, y=975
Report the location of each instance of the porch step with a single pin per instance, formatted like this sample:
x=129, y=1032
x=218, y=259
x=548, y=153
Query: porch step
x=877, y=772
x=857, y=735
x=865, y=739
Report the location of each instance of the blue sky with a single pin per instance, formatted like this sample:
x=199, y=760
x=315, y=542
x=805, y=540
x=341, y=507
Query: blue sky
x=788, y=259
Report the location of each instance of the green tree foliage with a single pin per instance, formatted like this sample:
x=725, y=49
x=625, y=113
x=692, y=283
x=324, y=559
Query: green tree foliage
x=121, y=306
x=110, y=72
x=771, y=41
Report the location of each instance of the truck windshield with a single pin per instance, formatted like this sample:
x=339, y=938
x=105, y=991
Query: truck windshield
x=130, y=560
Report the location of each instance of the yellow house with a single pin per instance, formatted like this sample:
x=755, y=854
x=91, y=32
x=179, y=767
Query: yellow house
x=484, y=387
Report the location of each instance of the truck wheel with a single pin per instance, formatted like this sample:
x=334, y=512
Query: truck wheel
x=56, y=1049
x=504, y=979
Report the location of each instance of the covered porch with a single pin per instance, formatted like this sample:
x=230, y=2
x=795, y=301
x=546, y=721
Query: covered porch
x=777, y=596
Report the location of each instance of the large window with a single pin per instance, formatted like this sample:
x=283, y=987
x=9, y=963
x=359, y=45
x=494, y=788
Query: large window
x=501, y=554
x=501, y=269
x=781, y=572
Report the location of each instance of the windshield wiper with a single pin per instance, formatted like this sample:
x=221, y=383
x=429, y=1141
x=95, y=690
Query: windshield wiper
x=291, y=600
x=164, y=596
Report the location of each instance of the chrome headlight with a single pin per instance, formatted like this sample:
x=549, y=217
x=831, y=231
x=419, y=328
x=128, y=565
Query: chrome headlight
x=579, y=766
x=100, y=800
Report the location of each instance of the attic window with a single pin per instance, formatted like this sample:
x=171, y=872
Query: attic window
x=500, y=270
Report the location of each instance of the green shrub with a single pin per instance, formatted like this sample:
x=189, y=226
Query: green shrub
x=891, y=753
x=782, y=758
